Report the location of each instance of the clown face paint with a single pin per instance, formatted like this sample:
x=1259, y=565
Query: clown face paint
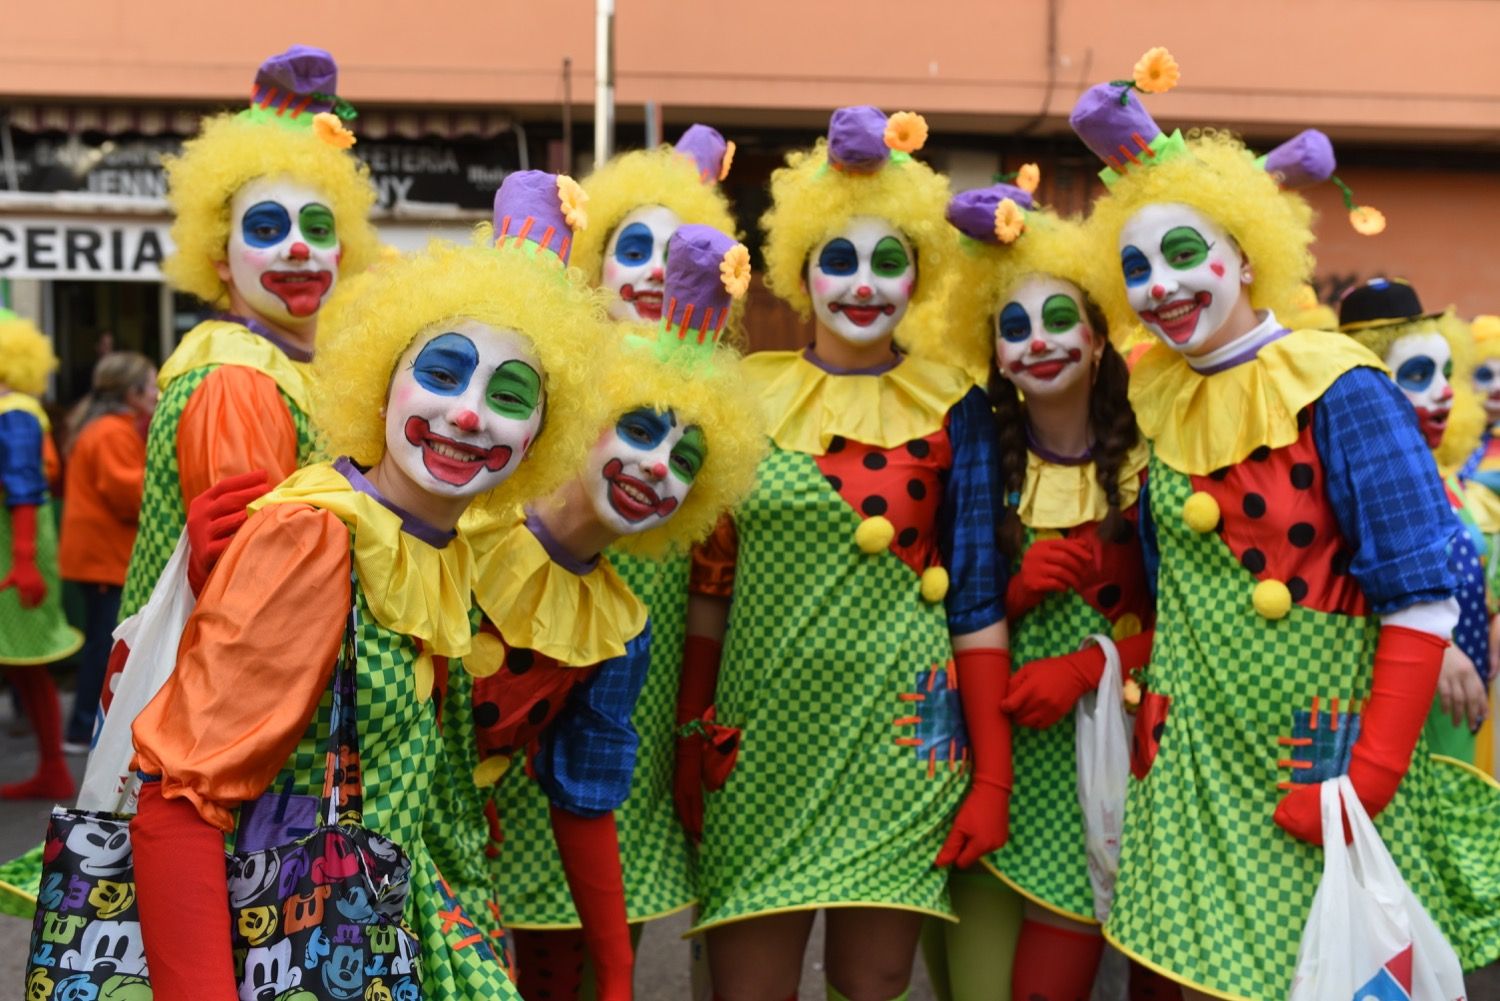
x=283, y=250
x=642, y=469
x=861, y=280
x=1487, y=385
x=465, y=404
x=1423, y=364
x=1182, y=274
x=1042, y=338
x=635, y=261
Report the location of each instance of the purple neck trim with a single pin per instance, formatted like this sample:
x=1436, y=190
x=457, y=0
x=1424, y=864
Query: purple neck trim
x=253, y=325
x=1057, y=460
x=1243, y=356
x=410, y=523
x=812, y=357
x=555, y=550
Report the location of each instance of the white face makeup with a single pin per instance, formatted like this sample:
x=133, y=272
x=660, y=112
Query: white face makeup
x=283, y=250
x=1042, y=338
x=642, y=469
x=1487, y=385
x=635, y=262
x=861, y=280
x=1182, y=274
x=466, y=402
x=1423, y=364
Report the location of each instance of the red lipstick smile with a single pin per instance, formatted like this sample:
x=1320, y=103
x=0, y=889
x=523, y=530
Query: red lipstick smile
x=1050, y=368
x=1177, y=320
x=633, y=499
x=301, y=291
x=450, y=461
x=647, y=302
x=861, y=315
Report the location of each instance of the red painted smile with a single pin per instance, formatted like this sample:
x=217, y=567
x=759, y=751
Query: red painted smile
x=1050, y=368
x=1433, y=423
x=301, y=291
x=633, y=499
x=861, y=315
x=647, y=302
x=1177, y=320
x=452, y=461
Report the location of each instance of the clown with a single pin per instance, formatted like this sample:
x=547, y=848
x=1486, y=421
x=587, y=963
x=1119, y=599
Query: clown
x=454, y=377
x=1484, y=465
x=855, y=594
x=1292, y=596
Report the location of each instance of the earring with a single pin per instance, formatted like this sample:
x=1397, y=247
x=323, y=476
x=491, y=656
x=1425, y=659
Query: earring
x=1246, y=275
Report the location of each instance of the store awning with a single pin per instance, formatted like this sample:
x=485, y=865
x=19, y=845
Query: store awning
x=124, y=119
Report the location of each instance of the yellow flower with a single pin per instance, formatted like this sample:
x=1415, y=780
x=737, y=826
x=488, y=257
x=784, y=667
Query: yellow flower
x=573, y=197
x=328, y=127
x=1156, y=73
x=734, y=270
x=1010, y=221
x=906, y=132
x=1028, y=177
x=1367, y=220
x=728, y=160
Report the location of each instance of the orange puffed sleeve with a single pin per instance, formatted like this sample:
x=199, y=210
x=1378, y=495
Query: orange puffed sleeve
x=235, y=422
x=714, y=558
x=255, y=659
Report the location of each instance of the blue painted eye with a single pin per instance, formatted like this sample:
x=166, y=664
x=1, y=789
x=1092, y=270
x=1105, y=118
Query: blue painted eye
x=635, y=244
x=645, y=428
x=445, y=364
x=1415, y=374
x=265, y=224
x=1484, y=374
x=1136, y=267
x=839, y=258
x=1015, y=323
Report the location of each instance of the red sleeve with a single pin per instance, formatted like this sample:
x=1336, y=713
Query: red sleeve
x=712, y=572
x=235, y=422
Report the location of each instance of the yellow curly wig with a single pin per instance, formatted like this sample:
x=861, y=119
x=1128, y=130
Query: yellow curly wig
x=229, y=153
x=375, y=317
x=1307, y=312
x=26, y=358
x=1218, y=177
x=706, y=389
x=1486, y=331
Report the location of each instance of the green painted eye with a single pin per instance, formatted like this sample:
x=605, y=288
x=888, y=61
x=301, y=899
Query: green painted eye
x=1059, y=314
x=890, y=259
x=515, y=390
x=1448, y=370
x=316, y=223
x=1184, y=247
x=688, y=454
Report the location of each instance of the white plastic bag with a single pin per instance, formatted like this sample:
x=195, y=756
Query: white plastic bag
x=1103, y=752
x=153, y=634
x=1367, y=935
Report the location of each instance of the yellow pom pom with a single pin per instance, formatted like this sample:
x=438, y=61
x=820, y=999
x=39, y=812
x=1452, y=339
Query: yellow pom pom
x=489, y=771
x=874, y=534
x=1272, y=600
x=934, y=585
x=1367, y=220
x=1126, y=626
x=1201, y=512
x=486, y=654
x=1010, y=221
x=572, y=198
x=906, y=132
x=1130, y=694
x=425, y=675
x=734, y=270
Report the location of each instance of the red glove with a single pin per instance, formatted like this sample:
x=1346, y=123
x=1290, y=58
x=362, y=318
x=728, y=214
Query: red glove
x=214, y=516
x=1045, y=690
x=1050, y=566
x=1407, y=663
x=24, y=576
x=590, y=850
x=700, y=677
x=983, y=821
x=183, y=898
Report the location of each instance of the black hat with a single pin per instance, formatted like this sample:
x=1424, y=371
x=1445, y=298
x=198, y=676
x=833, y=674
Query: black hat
x=1380, y=302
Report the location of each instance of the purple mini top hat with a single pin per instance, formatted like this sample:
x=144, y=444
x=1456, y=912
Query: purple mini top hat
x=292, y=87
x=539, y=211
x=706, y=271
x=1302, y=161
x=856, y=140
x=1115, y=125
x=709, y=150
x=973, y=213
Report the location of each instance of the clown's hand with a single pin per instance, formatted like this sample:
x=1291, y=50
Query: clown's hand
x=981, y=826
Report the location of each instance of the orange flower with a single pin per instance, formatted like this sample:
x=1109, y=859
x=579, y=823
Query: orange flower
x=329, y=128
x=734, y=270
x=573, y=197
x=1156, y=72
x=728, y=160
x=1028, y=177
x=906, y=132
x=1367, y=220
x=1010, y=221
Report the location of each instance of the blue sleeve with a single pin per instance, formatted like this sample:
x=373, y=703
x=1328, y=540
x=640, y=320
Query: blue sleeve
x=1150, y=550
x=21, y=475
x=1385, y=492
x=968, y=518
x=586, y=757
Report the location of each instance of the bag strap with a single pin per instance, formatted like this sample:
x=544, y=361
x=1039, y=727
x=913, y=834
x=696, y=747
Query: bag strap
x=343, y=786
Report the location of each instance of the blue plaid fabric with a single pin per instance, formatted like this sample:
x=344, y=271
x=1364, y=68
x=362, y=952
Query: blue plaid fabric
x=967, y=519
x=21, y=476
x=586, y=756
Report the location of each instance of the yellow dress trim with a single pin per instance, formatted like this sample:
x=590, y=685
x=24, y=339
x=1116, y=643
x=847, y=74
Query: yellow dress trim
x=218, y=342
x=16, y=400
x=1058, y=496
x=409, y=586
x=806, y=407
x=538, y=605
x=1021, y=891
x=1200, y=423
x=697, y=930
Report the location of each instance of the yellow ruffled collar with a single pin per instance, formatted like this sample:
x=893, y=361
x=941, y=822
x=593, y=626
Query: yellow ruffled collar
x=806, y=407
x=1199, y=423
x=577, y=619
x=410, y=586
x=16, y=400
x=219, y=342
x=1063, y=496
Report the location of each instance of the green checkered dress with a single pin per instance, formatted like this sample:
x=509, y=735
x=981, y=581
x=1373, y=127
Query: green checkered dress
x=653, y=849
x=1210, y=890
x=838, y=673
x=40, y=635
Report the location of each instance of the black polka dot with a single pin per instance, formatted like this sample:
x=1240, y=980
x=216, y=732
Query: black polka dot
x=1254, y=505
x=539, y=712
x=519, y=661
x=908, y=537
x=1341, y=561
x=486, y=714
x=916, y=489
x=919, y=447
x=1302, y=476
x=1218, y=474
x=836, y=482
x=1253, y=560
x=1304, y=418
x=874, y=460
x=1158, y=730
x=836, y=443
x=1301, y=535
x=874, y=505
x=1109, y=595
x=1219, y=528
x=1261, y=454
x=1298, y=587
